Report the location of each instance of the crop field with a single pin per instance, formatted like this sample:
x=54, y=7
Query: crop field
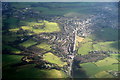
x=53, y=59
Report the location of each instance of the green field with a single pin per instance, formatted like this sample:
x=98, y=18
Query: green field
x=106, y=46
x=103, y=34
x=11, y=49
x=103, y=74
x=53, y=59
x=94, y=69
x=26, y=71
x=106, y=62
x=42, y=27
x=44, y=46
x=28, y=43
x=10, y=59
x=85, y=48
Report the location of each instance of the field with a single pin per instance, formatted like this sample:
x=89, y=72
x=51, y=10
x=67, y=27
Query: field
x=85, y=48
x=53, y=59
x=41, y=27
x=106, y=62
x=101, y=41
x=103, y=74
x=106, y=46
x=104, y=34
x=11, y=49
x=96, y=68
x=66, y=9
x=27, y=70
x=28, y=43
x=44, y=46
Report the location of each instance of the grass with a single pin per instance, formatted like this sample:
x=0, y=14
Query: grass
x=105, y=34
x=106, y=62
x=51, y=26
x=53, y=59
x=8, y=60
x=14, y=30
x=44, y=46
x=37, y=28
x=94, y=69
x=9, y=38
x=103, y=74
x=28, y=43
x=90, y=68
x=116, y=56
x=11, y=49
x=85, y=48
x=26, y=27
x=106, y=46
x=26, y=71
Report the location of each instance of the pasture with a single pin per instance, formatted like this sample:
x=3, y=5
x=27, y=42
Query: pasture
x=98, y=69
x=28, y=43
x=50, y=57
x=44, y=46
x=26, y=70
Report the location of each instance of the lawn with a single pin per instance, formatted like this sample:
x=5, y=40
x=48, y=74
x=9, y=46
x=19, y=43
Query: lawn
x=44, y=46
x=28, y=43
x=50, y=57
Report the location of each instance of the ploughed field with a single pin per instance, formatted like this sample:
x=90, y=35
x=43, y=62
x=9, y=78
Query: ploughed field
x=36, y=45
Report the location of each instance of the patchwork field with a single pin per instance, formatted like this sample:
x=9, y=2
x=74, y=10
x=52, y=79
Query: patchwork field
x=100, y=68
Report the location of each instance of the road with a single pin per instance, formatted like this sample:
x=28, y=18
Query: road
x=71, y=55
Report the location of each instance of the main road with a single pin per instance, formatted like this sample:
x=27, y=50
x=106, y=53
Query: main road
x=71, y=55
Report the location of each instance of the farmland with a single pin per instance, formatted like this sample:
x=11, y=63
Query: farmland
x=60, y=40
